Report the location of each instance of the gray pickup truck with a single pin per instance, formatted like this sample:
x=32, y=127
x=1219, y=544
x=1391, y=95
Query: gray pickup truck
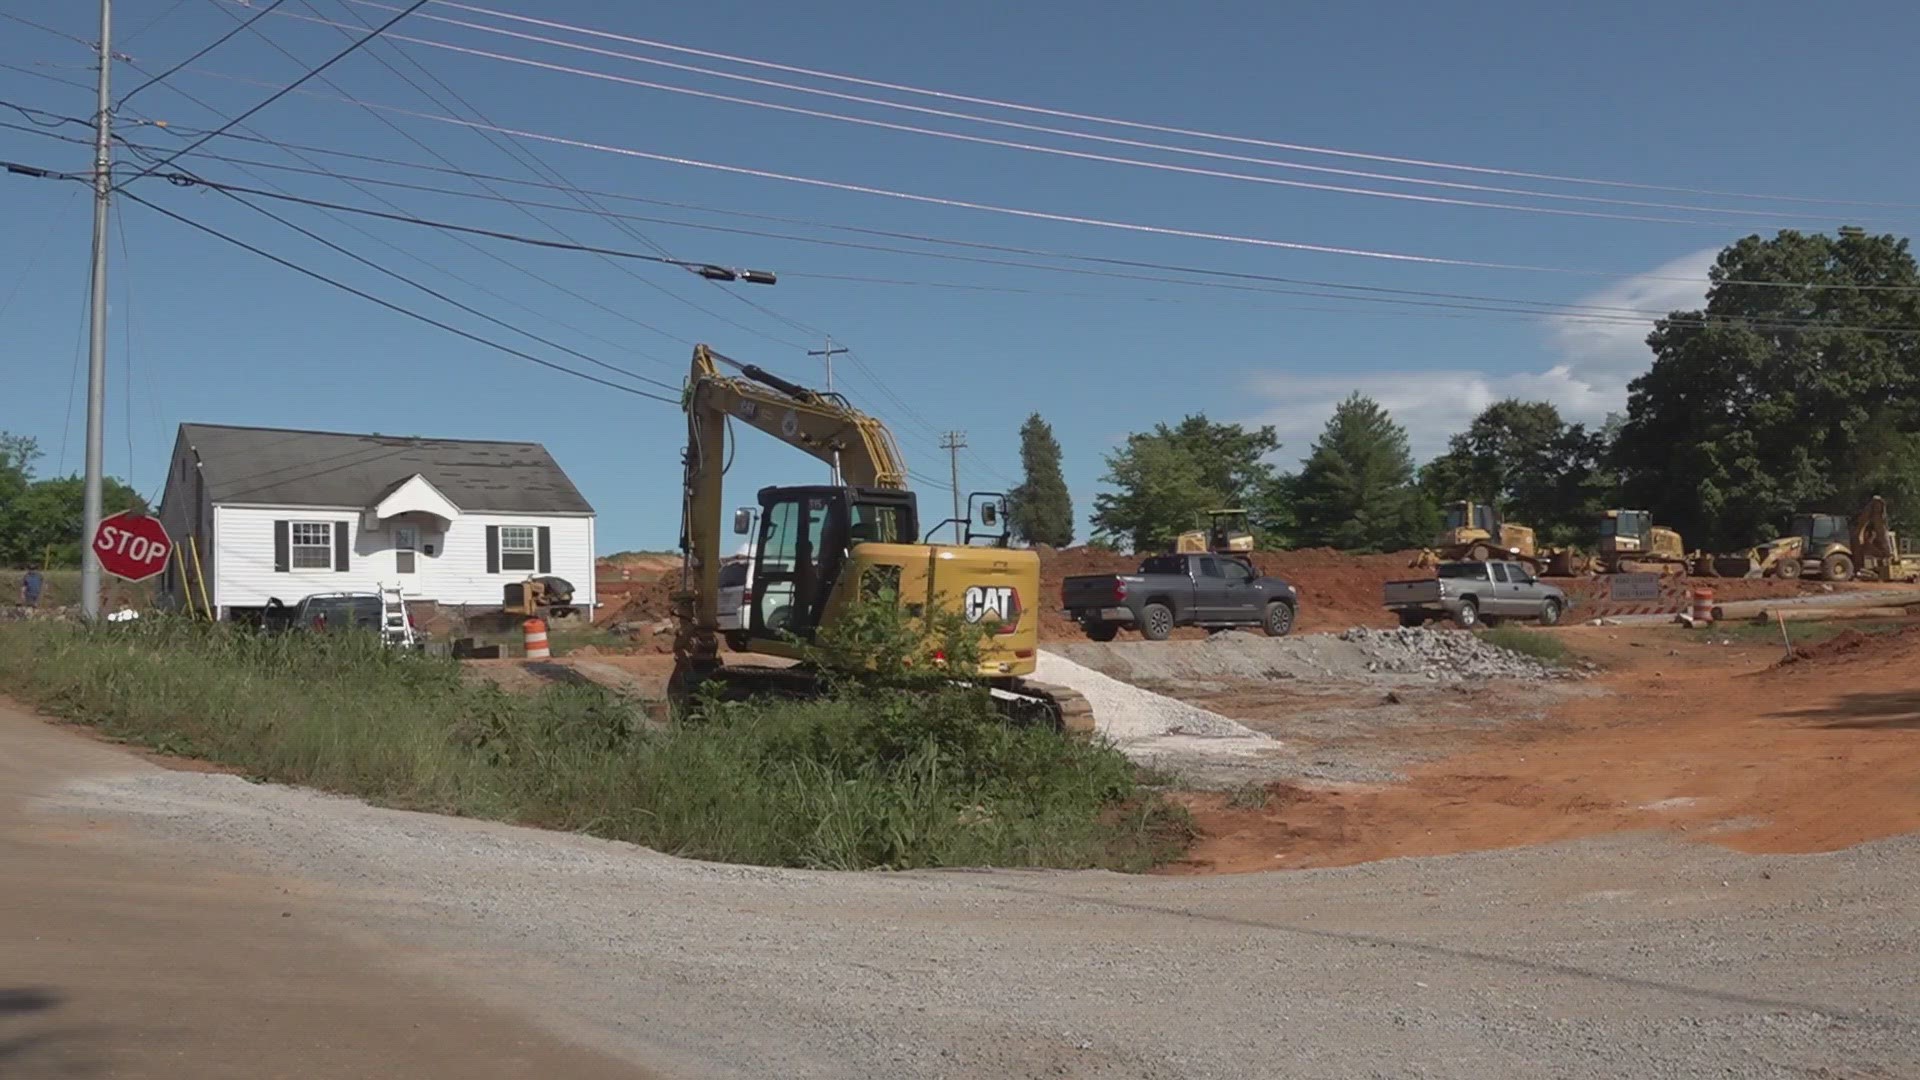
x=1214, y=591
x=1471, y=593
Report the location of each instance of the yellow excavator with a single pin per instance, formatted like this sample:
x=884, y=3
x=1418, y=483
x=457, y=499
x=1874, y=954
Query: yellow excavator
x=820, y=547
x=1474, y=531
x=1226, y=534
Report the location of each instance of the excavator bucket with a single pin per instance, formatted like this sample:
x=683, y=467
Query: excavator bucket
x=1569, y=562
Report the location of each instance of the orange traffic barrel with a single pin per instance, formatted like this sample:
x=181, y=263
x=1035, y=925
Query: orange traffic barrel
x=1703, y=605
x=536, y=632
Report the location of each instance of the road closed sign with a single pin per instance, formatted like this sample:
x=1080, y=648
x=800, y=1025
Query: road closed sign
x=132, y=546
x=1633, y=587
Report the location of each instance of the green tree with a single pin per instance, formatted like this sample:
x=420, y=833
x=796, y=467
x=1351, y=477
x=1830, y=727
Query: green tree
x=41, y=519
x=1165, y=480
x=1040, y=511
x=1356, y=491
x=1796, y=388
x=1523, y=458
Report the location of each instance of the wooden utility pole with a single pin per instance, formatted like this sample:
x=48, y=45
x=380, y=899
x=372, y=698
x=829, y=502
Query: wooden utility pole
x=97, y=348
x=953, y=442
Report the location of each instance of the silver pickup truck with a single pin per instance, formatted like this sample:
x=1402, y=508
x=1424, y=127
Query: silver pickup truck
x=1471, y=593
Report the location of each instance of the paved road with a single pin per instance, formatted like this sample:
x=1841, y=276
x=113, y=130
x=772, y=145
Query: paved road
x=146, y=904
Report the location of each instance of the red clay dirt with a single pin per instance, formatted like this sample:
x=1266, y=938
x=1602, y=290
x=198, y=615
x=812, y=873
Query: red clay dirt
x=1728, y=745
x=1337, y=589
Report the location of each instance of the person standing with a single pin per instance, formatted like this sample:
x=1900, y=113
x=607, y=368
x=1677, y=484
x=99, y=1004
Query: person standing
x=30, y=585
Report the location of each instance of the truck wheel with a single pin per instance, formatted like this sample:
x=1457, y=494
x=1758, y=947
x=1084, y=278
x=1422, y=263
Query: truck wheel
x=1550, y=613
x=1467, y=615
x=1837, y=567
x=1279, y=620
x=1156, y=622
x=1787, y=568
x=1408, y=618
x=1101, y=631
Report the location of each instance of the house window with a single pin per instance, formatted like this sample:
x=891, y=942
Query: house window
x=519, y=547
x=312, y=545
x=406, y=540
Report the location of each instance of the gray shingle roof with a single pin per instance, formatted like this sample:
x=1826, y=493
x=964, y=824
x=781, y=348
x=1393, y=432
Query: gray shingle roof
x=324, y=468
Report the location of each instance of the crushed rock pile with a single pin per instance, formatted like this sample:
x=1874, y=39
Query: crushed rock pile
x=1443, y=655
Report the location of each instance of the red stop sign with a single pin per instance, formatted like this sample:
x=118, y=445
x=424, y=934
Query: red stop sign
x=132, y=546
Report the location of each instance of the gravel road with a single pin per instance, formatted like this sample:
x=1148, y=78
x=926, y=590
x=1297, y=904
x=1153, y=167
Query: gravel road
x=1629, y=957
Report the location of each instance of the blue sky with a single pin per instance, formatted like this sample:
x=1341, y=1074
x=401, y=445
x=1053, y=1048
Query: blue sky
x=1766, y=98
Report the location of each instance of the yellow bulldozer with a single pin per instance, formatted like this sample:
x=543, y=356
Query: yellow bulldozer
x=1831, y=547
x=1226, y=534
x=819, y=548
x=1473, y=530
x=1631, y=543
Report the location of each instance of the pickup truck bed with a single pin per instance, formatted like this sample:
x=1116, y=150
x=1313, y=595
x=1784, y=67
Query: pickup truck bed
x=1470, y=593
x=1179, y=590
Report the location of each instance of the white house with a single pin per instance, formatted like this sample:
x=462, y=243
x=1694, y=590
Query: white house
x=279, y=514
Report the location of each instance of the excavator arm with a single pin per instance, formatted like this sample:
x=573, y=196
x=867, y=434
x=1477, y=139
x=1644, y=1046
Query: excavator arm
x=820, y=424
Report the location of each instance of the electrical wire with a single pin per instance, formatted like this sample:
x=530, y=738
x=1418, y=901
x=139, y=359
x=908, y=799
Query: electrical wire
x=216, y=43
x=75, y=83
x=391, y=306
x=1136, y=228
x=1164, y=129
x=1747, y=214
x=43, y=27
x=309, y=74
x=153, y=22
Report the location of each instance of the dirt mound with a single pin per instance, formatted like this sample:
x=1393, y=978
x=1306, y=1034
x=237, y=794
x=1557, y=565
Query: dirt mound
x=1852, y=645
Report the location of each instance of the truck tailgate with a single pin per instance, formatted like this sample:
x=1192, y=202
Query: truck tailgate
x=1090, y=592
x=1412, y=593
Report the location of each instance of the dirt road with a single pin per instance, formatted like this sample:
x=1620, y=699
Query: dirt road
x=144, y=936
x=124, y=957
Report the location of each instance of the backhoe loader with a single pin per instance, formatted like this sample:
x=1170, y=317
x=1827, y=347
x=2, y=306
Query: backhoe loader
x=1227, y=534
x=820, y=547
x=1831, y=547
x=1474, y=531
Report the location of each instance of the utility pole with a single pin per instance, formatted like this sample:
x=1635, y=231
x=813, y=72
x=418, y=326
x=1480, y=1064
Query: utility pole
x=827, y=354
x=97, y=351
x=953, y=442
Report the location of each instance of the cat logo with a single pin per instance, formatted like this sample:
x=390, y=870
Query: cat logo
x=998, y=603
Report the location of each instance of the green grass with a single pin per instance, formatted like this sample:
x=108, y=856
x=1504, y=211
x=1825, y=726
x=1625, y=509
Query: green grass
x=1802, y=632
x=61, y=588
x=891, y=778
x=1537, y=644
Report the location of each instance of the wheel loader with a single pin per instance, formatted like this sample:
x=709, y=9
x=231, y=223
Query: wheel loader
x=1474, y=531
x=1227, y=534
x=820, y=548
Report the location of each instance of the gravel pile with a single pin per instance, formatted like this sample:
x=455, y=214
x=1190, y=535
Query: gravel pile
x=1442, y=654
x=1127, y=713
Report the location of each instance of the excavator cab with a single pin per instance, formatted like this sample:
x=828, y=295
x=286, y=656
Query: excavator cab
x=810, y=538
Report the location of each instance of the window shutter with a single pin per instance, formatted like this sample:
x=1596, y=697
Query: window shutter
x=546, y=550
x=493, y=549
x=340, y=547
x=282, y=548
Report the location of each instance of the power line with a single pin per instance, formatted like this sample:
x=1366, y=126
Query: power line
x=899, y=234
x=1020, y=212
x=43, y=27
x=75, y=83
x=216, y=43
x=391, y=306
x=285, y=90
x=153, y=22
x=1055, y=131
x=1140, y=126
x=1036, y=148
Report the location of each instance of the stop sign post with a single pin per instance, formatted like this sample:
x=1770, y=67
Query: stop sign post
x=132, y=546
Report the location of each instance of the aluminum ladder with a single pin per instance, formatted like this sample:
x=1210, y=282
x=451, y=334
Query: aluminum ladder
x=395, y=627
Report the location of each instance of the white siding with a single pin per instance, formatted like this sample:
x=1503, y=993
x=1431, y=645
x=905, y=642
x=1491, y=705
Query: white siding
x=456, y=572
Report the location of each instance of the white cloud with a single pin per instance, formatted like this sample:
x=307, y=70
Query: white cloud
x=1593, y=361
